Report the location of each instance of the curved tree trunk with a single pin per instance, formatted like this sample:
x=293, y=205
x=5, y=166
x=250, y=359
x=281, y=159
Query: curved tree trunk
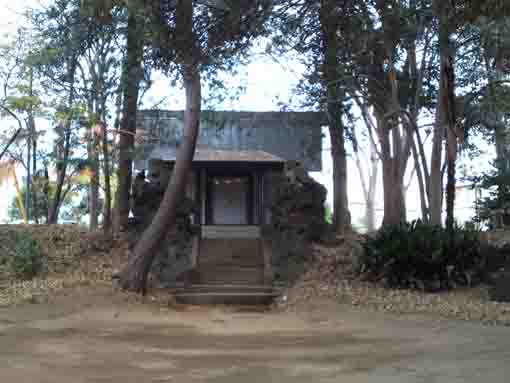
x=134, y=277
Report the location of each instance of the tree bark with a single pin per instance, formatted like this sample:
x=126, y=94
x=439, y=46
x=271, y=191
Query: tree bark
x=114, y=156
x=501, y=138
x=46, y=192
x=94, y=176
x=28, y=186
x=421, y=185
x=447, y=104
x=31, y=125
x=65, y=145
x=393, y=178
x=134, y=277
x=436, y=175
x=128, y=124
x=107, y=211
x=334, y=108
x=341, y=214
x=369, y=183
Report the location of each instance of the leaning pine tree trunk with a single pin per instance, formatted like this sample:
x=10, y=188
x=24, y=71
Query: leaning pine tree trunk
x=134, y=277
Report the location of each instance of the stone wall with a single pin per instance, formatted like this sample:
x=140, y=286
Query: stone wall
x=174, y=256
x=297, y=218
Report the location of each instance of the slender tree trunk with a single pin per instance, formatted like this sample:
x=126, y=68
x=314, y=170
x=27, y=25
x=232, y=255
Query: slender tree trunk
x=436, y=175
x=31, y=125
x=501, y=138
x=128, y=125
x=368, y=184
x=447, y=104
x=372, y=188
x=65, y=146
x=94, y=178
x=28, y=186
x=134, y=277
x=421, y=185
x=46, y=192
x=107, y=214
x=114, y=156
x=334, y=108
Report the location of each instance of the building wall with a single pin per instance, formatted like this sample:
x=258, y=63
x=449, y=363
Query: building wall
x=291, y=136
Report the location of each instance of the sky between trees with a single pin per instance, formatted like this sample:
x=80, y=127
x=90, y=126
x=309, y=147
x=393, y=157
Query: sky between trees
x=267, y=84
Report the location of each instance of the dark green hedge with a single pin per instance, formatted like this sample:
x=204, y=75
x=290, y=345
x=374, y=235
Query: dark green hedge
x=424, y=257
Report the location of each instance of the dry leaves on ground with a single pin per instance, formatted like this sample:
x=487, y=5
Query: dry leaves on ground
x=333, y=277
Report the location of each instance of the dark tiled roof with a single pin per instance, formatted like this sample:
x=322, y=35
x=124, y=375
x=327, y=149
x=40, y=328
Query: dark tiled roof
x=214, y=155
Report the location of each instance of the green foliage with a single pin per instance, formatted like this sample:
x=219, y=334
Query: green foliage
x=27, y=259
x=39, y=210
x=497, y=184
x=425, y=257
x=328, y=213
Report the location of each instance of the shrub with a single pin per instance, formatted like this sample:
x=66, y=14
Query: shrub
x=26, y=261
x=422, y=256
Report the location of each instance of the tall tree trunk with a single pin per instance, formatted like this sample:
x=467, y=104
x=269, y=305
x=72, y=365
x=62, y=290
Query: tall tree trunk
x=65, y=144
x=128, y=125
x=436, y=175
x=372, y=188
x=94, y=178
x=28, y=186
x=447, y=104
x=31, y=125
x=107, y=212
x=334, y=108
x=393, y=179
x=501, y=137
x=134, y=277
x=369, y=183
x=421, y=185
x=114, y=156
x=341, y=214
x=46, y=193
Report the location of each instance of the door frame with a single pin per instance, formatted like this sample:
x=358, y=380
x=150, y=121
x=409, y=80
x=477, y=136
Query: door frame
x=209, y=177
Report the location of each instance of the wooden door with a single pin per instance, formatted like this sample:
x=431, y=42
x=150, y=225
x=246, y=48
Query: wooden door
x=229, y=199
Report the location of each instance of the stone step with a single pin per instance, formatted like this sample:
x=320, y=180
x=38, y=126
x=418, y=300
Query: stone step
x=230, y=275
x=226, y=294
x=224, y=288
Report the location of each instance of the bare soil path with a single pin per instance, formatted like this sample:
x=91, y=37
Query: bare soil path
x=95, y=336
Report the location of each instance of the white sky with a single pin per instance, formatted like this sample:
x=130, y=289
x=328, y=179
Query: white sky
x=266, y=83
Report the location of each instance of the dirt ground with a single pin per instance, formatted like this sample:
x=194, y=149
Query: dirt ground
x=95, y=335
